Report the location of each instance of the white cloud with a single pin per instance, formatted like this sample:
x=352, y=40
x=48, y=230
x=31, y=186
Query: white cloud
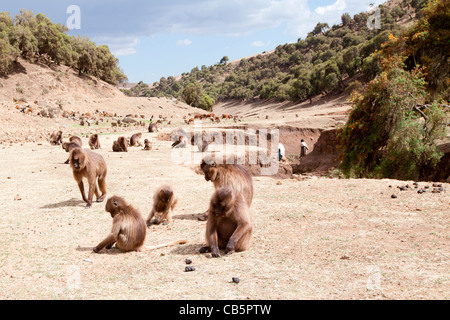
x=339, y=5
x=260, y=44
x=185, y=42
x=211, y=17
x=119, y=46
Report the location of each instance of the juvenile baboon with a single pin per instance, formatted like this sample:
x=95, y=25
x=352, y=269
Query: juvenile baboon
x=128, y=230
x=229, y=224
x=147, y=145
x=91, y=165
x=56, y=138
x=164, y=201
x=94, y=142
x=121, y=145
x=134, y=140
x=234, y=176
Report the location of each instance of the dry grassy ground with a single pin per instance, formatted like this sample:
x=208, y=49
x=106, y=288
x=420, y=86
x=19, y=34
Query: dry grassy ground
x=314, y=238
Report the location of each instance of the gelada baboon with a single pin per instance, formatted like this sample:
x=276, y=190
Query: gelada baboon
x=88, y=164
x=164, y=201
x=94, y=142
x=234, y=176
x=76, y=140
x=147, y=145
x=134, y=140
x=121, y=145
x=56, y=138
x=128, y=230
x=152, y=127
x=68, y=146
x=229, y=223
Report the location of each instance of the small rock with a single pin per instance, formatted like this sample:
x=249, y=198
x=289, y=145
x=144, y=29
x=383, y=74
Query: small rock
x=394, y=196
x=345, y=257
x=189, y=269
x=188, y=261
x=235, y=279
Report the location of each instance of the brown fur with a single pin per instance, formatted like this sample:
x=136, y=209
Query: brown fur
x=229, y=223
x=134, y=140
x=153, y=127
x=94, y=142
x=76, y=140
x=121, y=145
x=128, y=230
x=164, y=201
x=147, y=145
x=68, y=146
x=234, y=176
x=56, y=138
x=88, y=164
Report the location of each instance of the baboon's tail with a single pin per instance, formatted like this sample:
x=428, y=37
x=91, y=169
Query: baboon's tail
x=169, y=244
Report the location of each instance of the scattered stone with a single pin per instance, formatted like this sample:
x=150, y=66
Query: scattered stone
x=345, y=257
x=189, y=269
x=235, y=279
x=188, y=261
x=421, y=191
x=394, y=196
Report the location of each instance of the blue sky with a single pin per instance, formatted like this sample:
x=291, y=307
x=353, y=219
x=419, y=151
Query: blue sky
x=160, y=38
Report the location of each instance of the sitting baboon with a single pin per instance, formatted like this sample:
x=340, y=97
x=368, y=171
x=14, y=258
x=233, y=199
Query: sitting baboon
x=121, y=145
x=229, y=224
x=147, y=145
x=153, y=127
x=234, y=176
x=164, y=201
x=56, y=138
x=94, y=142
x=134, y=140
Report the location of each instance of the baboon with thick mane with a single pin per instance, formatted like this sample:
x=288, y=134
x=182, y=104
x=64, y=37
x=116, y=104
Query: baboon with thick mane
x=234, y=176
x=229, y=223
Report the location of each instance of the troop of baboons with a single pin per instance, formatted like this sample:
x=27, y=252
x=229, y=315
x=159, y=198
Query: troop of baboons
x=229, y=223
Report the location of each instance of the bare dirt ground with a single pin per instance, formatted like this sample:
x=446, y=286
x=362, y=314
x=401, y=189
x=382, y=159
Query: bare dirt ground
x=314, y=237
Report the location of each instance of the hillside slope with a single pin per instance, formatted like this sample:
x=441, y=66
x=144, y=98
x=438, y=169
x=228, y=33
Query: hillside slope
x=35, y=88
